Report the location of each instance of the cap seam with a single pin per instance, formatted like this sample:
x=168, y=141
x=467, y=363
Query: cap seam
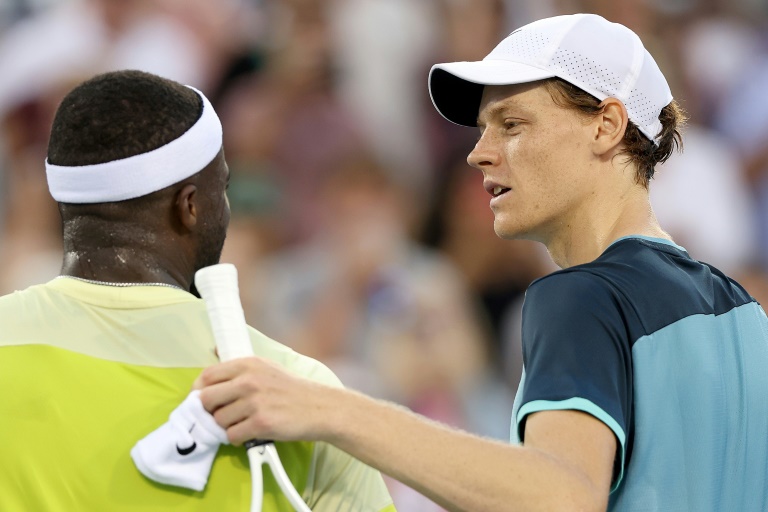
x=638, y=59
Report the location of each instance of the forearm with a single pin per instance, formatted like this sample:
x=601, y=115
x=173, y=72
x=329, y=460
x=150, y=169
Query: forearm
x=457, y=470
x=567, y=465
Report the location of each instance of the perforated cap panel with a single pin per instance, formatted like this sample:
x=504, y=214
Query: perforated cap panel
x=602, y=58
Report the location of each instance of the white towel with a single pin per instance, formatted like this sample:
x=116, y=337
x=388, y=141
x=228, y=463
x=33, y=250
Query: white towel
x=181, y=452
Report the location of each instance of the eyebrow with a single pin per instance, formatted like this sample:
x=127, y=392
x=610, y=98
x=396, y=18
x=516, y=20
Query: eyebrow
x=500, y=106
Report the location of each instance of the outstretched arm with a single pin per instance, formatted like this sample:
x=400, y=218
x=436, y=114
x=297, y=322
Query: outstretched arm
x=566, y=463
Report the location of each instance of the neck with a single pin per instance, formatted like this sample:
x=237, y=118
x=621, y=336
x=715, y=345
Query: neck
x=122, y=265
x=599, y=224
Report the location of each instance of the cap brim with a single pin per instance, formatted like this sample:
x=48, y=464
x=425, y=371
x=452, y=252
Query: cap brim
x=456, y=88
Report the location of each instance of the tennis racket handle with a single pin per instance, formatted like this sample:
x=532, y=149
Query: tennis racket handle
x=218, y=287
x=256, y=442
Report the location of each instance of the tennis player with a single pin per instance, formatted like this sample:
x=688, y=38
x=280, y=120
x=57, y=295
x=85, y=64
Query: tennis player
x=96, y=359
x=645, y=385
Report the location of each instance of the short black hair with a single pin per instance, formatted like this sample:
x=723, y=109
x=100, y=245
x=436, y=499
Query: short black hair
x=120, y=114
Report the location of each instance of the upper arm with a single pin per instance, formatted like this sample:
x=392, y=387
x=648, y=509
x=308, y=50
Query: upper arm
x=579, y=441
x=577, y=387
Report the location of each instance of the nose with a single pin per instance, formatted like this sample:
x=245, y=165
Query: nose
x=483, y=155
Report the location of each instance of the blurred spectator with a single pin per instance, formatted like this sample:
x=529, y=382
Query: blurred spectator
x=284, y=126
x=256, y=227
x=30, y=248
x=701, y=198
x=79, y=38
x=381, y=78
x=743, y=118
x=390, y=317
x=715, y=54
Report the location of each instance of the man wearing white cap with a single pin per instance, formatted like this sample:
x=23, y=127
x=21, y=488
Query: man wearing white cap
x=93, y=361
x=644, y=384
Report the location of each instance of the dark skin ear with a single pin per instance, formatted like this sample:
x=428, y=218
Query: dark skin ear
x=186, y=208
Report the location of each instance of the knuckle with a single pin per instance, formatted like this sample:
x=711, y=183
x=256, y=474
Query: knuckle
x=257, y=425
x=248, y=383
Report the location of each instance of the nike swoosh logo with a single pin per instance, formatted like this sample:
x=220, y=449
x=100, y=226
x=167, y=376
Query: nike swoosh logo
x=187, y=450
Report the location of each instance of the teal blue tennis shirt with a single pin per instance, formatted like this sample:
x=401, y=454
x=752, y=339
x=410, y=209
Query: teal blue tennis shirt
x=670, y=354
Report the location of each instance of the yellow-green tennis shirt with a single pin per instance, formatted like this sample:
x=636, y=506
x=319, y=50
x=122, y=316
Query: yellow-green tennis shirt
x=88, y=370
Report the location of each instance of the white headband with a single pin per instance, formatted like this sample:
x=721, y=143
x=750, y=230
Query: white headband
x=142, y=174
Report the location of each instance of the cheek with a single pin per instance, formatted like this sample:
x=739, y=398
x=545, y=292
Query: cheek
x=558, y=159
x=546, y=181
x=535, y=173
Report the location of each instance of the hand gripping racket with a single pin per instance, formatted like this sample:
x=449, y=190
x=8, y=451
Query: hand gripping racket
x=217, y=285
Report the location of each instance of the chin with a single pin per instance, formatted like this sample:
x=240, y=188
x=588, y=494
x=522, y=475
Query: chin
x=519, y=233
x=508, y=230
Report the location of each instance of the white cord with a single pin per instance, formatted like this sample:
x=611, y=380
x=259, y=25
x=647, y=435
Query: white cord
x=267, y=454
x=257, y=479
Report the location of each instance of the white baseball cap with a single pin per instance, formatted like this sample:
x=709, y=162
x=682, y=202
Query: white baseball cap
x=599, y=57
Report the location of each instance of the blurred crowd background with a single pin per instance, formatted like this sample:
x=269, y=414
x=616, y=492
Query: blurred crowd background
x=362, y=237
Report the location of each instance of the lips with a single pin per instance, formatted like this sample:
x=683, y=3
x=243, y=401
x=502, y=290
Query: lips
x=495, y=189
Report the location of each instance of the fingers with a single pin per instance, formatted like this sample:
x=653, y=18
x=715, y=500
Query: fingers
x=231, y=390
x=218, y=395
x=244, y=431
x=217, y=383
x=226, y=371
x=237, y=418
x=253, y=398
x=223, y=383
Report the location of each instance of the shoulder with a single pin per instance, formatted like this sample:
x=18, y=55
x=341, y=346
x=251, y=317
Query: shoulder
x=581, y=281
x=18, y=308
x=631, y=270
x=586, y=301
x=14, y=299
x=570, y=292
x=626, y=265
x=291, y=360
x=578, y=312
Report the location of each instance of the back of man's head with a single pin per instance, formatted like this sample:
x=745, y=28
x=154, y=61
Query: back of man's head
x=123, y=146
x=118, y=115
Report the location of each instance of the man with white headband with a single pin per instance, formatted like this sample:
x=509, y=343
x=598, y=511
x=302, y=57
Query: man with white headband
x=93, y=361
x=644, y=385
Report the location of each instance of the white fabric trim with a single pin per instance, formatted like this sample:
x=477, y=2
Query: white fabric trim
x=142, y=174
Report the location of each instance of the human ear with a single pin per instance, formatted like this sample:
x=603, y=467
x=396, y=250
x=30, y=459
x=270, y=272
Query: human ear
x=185, y=207
x=610, y=126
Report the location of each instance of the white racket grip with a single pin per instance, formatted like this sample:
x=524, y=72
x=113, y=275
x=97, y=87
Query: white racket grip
x=218, y=287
